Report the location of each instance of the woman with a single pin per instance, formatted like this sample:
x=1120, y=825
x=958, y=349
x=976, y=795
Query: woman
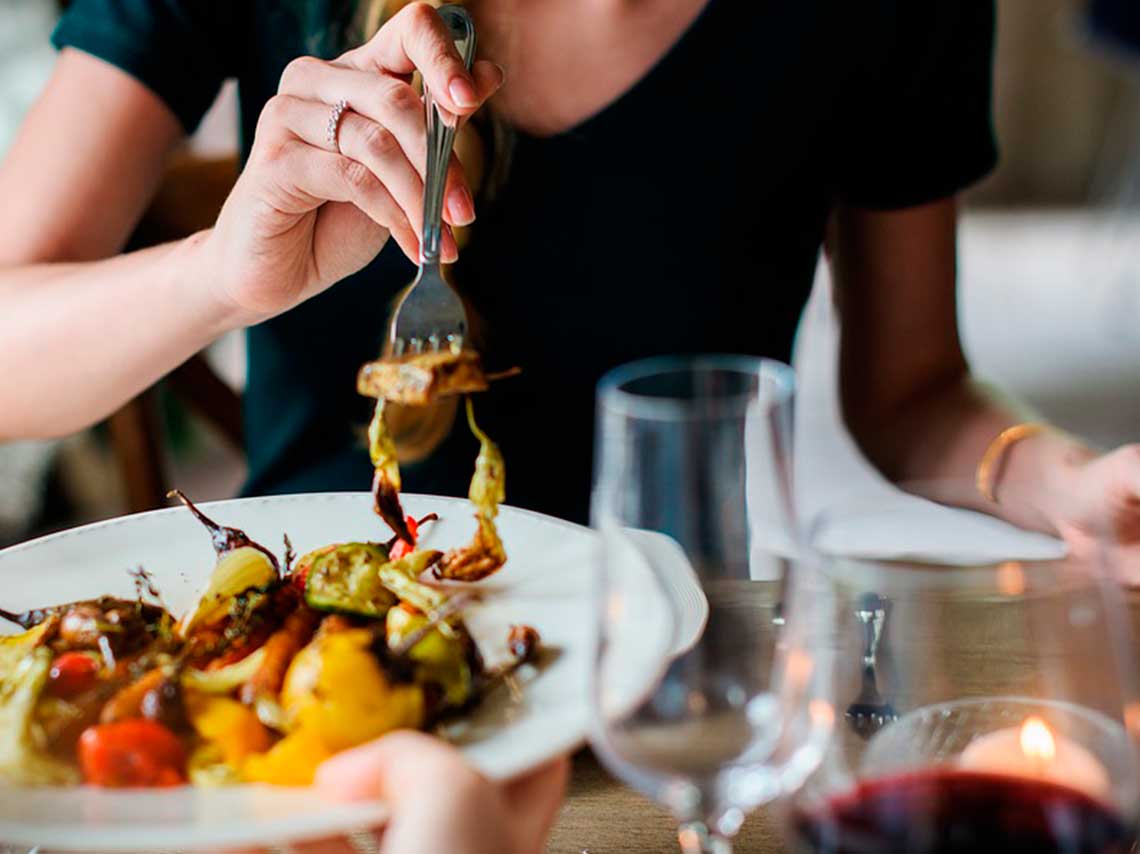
x=660, y=178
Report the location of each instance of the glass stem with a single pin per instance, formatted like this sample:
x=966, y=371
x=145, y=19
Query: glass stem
x=696, y=838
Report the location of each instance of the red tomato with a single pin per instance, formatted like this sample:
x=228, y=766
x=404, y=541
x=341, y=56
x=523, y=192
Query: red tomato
x=134, y=752
x=72, y=673
x=402, y=548
x=300, y=579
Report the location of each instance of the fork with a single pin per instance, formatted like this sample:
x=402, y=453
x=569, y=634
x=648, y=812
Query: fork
x=870, y=712
x=431, y=313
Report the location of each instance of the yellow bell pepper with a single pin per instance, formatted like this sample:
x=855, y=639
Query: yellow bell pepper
x=231, y=726
x=292, y=761
x=336, y=690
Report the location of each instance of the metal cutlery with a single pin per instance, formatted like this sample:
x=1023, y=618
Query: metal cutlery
x=431, y=315
x=869, y=713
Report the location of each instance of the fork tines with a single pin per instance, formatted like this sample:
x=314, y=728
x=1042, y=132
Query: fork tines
x=433, y=343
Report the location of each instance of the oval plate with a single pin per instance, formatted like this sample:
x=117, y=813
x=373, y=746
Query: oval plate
x=547, y=583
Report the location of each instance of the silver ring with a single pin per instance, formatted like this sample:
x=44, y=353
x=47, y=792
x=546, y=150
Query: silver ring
x=334, y=123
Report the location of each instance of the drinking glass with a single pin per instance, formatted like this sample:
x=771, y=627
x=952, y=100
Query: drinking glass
x=979, y=707
x=701, y=700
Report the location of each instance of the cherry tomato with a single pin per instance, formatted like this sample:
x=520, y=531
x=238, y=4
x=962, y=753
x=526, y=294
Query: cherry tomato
x=403, y=548
x=134, y=752
x=72, y=673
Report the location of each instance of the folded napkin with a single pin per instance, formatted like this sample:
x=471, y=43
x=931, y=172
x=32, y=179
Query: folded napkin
x=843, y=505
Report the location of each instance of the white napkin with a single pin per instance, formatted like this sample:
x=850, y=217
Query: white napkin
x=844, y=506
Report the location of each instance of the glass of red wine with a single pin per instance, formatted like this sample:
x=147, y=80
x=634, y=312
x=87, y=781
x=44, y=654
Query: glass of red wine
x=1006, y=705
x=691, y=704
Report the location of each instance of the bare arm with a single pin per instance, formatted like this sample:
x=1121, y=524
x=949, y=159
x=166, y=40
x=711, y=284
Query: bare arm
x=907, y=393
x=78, y=335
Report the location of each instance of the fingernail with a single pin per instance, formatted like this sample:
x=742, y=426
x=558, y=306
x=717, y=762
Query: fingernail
x=460, y=206
x=450, y=247
x=502, y=73
x=462, y=92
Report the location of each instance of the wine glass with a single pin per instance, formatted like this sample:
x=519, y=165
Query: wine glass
x=691, y=471
x=1011, y=687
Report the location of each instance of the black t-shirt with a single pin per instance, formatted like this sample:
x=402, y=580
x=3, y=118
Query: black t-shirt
x=684, y=217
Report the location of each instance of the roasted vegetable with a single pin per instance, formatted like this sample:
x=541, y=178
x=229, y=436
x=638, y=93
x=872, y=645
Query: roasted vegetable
x=15, y=648
x=157, y=695
x=224, y=680
x=344, y=578
x=403, y=548
x=72, y=673
x=438, y=659
x=277, y=654
x=136, y=752
x=24, y=666
x=224, y=539
x=242, y=565
x=107, y=623
x=421, y=378
x=292, y=761
x=236, y=572
x=208, y=769
x=485, y=553
x=337, y=690
x=386, y=480
x=401, y=580
x=230, y=726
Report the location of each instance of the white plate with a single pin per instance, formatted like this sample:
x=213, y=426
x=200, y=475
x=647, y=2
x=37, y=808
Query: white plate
x=548, y=583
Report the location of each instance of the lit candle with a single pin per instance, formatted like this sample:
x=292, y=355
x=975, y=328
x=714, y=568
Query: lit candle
x=1033, y=751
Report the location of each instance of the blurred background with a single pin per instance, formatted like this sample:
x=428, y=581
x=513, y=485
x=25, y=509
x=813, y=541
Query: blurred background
x=1050, y=268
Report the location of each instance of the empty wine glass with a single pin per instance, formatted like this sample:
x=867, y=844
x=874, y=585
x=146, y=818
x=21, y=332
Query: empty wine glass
x=1012, y=687
x=701, y=701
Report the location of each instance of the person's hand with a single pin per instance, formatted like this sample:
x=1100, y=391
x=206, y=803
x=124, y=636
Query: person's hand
x=306, y=211
x=1100, y=513
x=438, y=802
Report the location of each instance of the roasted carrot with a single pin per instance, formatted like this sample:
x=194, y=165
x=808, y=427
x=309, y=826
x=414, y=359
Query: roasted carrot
x=282, y=645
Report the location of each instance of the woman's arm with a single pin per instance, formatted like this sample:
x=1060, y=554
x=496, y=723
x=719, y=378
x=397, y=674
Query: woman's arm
x=80, y=336
x=907, y=394
x=77, y=340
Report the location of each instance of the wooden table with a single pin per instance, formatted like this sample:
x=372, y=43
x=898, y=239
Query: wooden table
x=601, y=816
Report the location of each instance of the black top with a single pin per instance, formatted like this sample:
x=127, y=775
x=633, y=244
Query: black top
x=684, y=217
x=1117, y=21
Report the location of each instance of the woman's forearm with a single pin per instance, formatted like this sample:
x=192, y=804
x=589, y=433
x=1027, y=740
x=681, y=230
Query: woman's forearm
x=77, y=340
x=934, y=444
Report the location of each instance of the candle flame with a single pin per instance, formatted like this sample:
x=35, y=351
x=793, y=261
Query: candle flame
x=1037, y=740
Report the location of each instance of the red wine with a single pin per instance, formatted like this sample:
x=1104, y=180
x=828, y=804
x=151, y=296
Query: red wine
x=947, y=812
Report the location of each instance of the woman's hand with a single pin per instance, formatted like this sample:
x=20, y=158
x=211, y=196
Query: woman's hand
x=308, y=212
x=1100, y=513
x=438, y=803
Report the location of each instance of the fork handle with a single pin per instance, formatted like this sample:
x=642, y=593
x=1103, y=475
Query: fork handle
x=871, y=610
x=441, y=136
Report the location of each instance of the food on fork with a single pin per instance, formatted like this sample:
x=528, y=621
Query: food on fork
x=419, y=379
x=485, y=553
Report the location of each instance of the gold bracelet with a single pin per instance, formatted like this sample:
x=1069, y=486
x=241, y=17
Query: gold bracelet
x=996, y=451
